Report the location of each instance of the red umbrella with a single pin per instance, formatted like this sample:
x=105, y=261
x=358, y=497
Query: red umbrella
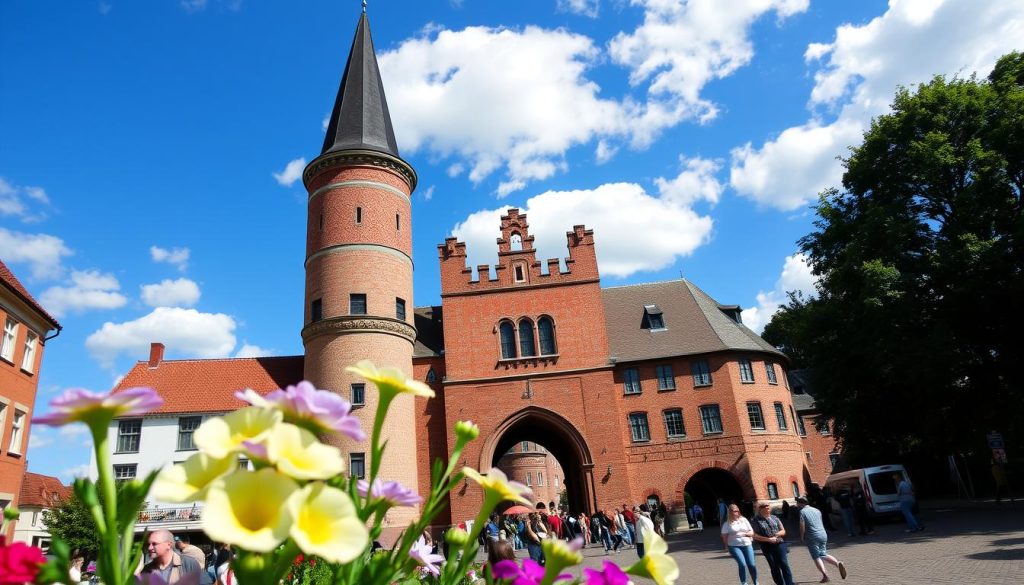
x=518, y=509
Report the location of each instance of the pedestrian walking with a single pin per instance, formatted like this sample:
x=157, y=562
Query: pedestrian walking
x=738, y=539
x=643, y=522
x=812, y=532
x=770, y=533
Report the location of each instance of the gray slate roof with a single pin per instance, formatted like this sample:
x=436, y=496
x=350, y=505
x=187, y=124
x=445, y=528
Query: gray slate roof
x=429, y=332
x=694, y=323
x=360, y=120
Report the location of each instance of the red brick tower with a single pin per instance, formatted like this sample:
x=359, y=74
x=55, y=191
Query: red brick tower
x=358, y=302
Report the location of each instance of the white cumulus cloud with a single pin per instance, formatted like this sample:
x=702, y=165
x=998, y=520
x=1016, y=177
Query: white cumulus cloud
x=249, y=350
x=171, y=293
x=41, y=252
x=175, y=256
x=657, y=231
x=185, y=332
x=796, y=276
x=498, y=100
x=292, y=172
x=683, y=45
x=88, y=290
x=18, y=201
x=855, y=79
x=588, y=8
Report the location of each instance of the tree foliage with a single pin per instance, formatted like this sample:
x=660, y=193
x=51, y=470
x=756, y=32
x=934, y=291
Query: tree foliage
x=914, y=336
x=71, y=522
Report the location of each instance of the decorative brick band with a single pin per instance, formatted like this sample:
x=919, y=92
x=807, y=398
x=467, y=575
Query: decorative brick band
x=350, y=158
x=359, y=324
x=371, y=184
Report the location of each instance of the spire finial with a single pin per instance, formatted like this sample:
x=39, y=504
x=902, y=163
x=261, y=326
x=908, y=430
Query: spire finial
x=364, y=6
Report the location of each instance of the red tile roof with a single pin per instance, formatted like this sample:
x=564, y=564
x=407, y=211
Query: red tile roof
x=12, y=282
x=42, y=490
x=210, y=385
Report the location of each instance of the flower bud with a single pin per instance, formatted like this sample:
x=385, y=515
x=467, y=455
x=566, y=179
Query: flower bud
x=466, y=430
x=253, y=563
x=11, y=513
x=457, y=537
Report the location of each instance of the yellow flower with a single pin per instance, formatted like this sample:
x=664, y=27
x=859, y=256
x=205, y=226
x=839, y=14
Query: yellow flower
x=188, y=481
x=219, y=436
x=390, y=381
x=497, y=487
x=297, y=453
x=562, y=553
x=656, y=564
x=326, y=523
x=249, y=508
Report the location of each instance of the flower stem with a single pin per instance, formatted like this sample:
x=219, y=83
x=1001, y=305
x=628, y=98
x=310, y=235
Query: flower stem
x=113, y=569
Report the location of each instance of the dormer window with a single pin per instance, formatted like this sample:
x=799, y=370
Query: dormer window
x=653, y=319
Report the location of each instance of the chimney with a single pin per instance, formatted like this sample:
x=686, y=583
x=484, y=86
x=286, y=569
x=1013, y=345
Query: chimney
x=156, y=354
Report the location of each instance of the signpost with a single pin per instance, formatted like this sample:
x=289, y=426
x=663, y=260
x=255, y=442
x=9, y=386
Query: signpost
x=995, y=442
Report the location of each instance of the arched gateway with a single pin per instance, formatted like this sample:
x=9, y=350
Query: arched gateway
x=563, y=441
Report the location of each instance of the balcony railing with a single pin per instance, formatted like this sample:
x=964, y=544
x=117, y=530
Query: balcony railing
x=158, y=515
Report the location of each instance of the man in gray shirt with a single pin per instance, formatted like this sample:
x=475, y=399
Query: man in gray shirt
x=812, y=532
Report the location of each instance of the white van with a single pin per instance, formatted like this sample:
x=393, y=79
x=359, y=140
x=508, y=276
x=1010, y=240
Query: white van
x=878, y=484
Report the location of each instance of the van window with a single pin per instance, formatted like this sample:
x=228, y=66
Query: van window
x=882, y=483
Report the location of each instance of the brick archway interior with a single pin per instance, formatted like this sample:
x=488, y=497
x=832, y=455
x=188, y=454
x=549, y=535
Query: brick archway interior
x=562, y=440
x=708, y=485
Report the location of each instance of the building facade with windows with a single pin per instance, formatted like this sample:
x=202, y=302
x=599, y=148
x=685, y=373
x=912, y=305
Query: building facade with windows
x=26, y=329
x=640, y=392
x=39, y=493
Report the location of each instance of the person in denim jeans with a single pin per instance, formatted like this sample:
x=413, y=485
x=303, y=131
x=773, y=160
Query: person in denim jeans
x=907, y=500
x=738, y=538
x=771, y=535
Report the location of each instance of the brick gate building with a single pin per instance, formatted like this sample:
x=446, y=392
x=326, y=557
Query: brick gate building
x=640, y=392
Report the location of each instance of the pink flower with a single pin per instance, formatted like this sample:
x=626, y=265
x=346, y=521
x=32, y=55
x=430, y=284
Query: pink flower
x=530, y=573
x=611, y=575
x=19, y=562
x=428, y=561
x=316, y=410
x=391, y=491
x=78, y=405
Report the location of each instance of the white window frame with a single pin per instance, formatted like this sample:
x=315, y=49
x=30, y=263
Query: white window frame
x=132, y=468
x=540, y=478
x=138, y=435
x=352, y=458
x=529, y=479
x=17, y=431
x=10, y=336
x=28, y=361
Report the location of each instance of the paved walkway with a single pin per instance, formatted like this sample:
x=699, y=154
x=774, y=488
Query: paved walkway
x=963, y=543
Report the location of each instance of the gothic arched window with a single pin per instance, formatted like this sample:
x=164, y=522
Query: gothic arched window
x=546, y=330
x=526, y=345
x=507, y=332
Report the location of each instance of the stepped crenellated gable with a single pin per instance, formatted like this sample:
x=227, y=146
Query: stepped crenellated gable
x=518, y=265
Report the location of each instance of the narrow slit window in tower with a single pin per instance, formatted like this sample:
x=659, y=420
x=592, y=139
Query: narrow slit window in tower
x=359, y=215
x=316, y=310
x=398, y=222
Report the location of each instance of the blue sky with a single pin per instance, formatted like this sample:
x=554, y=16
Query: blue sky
x=150, y=151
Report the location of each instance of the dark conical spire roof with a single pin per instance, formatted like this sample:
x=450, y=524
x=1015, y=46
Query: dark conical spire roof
x=360, y=120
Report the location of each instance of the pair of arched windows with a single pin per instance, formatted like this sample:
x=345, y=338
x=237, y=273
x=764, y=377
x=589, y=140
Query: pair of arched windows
x=520, y=340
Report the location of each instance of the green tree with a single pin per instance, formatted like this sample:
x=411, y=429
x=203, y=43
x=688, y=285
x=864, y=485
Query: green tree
x=914, y=335
x=71, y=522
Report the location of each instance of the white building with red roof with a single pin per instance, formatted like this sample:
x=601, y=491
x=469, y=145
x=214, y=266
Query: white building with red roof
x=39, y=493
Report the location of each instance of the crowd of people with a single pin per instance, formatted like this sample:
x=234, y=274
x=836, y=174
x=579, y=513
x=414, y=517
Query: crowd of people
x=615, y=529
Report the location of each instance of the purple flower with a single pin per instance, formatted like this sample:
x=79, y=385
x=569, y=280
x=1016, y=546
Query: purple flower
x=421, y=554
x=531, y=573
x=391, y=491
x=78, y=405
x=611, y=575
x=316, y=410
